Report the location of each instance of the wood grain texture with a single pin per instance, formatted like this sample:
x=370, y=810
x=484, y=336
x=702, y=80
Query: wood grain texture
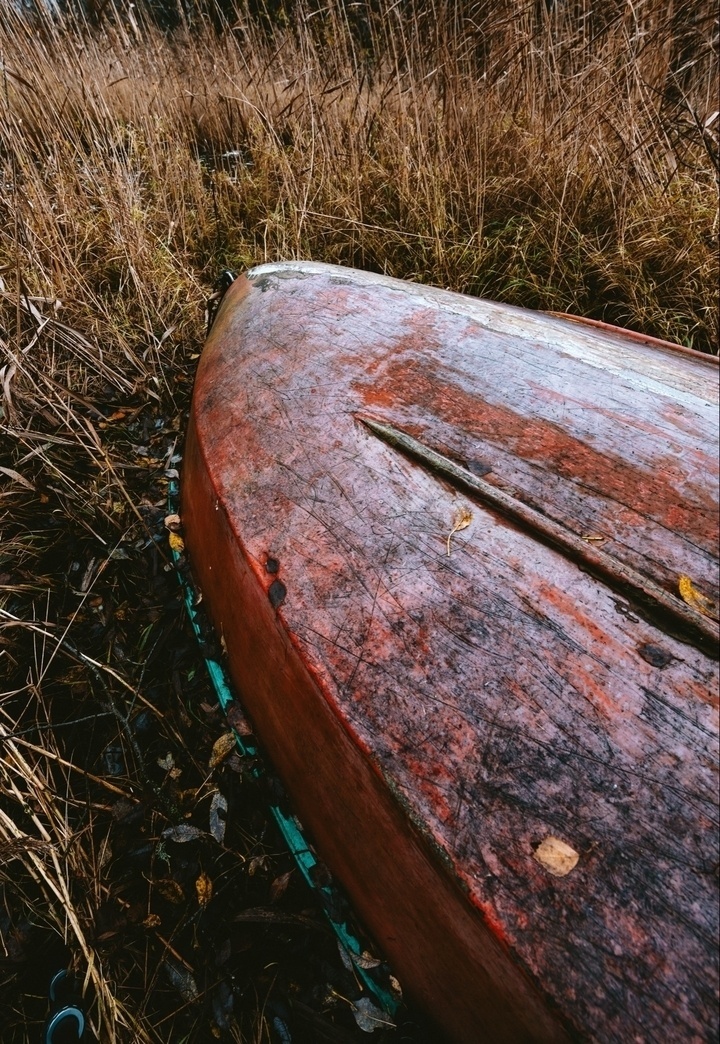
x=436, y=717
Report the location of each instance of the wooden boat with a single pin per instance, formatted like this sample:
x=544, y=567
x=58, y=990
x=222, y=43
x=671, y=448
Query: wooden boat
x=463, y=558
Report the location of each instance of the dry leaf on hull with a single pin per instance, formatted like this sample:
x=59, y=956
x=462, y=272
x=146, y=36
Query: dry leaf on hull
x=461, y=520
x=556, y=856
x=696, y=599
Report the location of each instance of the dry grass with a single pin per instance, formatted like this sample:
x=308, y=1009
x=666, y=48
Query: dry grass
x=563, y=160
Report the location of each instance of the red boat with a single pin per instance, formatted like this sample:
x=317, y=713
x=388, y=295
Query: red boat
x=463, y=559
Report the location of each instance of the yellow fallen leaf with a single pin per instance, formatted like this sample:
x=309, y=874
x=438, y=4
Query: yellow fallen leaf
x=557, y=857
x=176, y=543
x=204, y=889
x=461, y=520
x=696, y=599
x=221, y=749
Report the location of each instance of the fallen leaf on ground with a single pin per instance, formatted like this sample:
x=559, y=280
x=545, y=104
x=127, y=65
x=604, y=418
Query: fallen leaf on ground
x=237, y=720
x=170, y=890
x=177, y=544
x=256, y=863
x=369, y=1017
x=181, y=833
x=223, y=1001
x=218, y=812
x=365, y=960
x=16, y=477
x=221, y=748
x=204, y=889
x=279, y=886
x=345, y=956
x=181, y=980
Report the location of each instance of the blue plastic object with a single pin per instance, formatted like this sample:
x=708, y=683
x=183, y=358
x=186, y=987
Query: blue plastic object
x=66, y=1022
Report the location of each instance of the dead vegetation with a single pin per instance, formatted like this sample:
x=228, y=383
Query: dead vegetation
x=555, y=156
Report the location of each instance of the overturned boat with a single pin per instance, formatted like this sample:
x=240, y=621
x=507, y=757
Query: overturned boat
x=463, y=559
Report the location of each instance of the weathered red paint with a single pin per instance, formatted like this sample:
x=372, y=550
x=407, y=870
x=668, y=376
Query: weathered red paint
x=436, y=717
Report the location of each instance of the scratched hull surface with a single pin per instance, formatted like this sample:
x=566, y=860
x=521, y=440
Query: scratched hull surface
x=437, y=716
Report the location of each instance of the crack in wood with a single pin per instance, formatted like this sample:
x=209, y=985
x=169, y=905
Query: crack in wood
x=685, y=622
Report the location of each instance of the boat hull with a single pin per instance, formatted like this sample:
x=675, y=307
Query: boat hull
x=468, y=679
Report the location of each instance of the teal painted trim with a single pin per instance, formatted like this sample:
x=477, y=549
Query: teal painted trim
x=289, y=825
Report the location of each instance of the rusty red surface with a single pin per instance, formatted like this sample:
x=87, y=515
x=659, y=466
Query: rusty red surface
x=437, y=716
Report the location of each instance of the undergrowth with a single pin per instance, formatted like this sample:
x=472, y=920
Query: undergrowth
x=553, y=156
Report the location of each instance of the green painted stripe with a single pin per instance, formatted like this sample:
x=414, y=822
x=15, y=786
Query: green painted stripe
x=289, y=825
